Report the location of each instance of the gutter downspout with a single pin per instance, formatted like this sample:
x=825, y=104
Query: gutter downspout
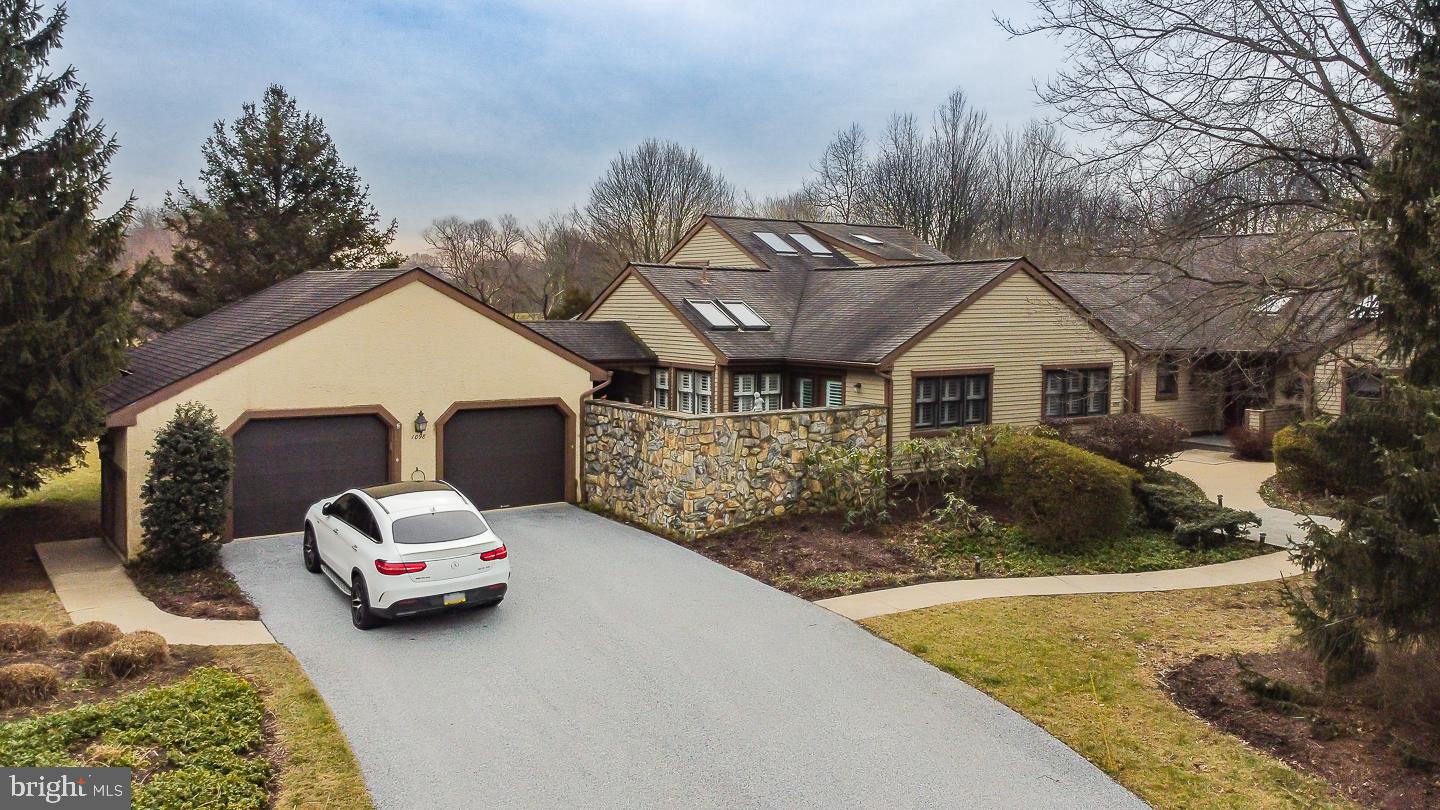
x=586, y=397
x=889, y=379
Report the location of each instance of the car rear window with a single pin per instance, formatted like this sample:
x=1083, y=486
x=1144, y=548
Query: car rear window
x=437, y=527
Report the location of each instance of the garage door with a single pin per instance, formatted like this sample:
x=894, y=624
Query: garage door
x=284, y=465
x=506, y=456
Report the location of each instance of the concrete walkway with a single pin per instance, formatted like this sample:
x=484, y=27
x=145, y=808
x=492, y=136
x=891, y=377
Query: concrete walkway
x=1220, y=473
x=913, y=597
x=1217, y=472
x=93, y=586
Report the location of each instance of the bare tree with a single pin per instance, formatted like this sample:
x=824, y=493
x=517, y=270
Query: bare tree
x=565, y=260
x=1299, y=90
x=958, y=147
x=842, y=177
x=902, y=188
x=646, y=199
x=481, y=255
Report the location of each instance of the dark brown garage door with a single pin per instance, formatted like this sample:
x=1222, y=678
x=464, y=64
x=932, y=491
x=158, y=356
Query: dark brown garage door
x=506, y=456
x=284, y=465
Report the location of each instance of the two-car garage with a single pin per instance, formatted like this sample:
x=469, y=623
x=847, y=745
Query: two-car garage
x=319, y=383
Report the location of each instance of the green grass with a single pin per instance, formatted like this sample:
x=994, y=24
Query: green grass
x=1007, y=554
x=317, y=766
x=196, y=743
x=1084, y=668
x=80, y=486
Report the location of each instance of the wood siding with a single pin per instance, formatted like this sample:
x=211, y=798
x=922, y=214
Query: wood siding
x=856, y=258
x=1196, y=405
x=1329, y=370
x=710, y=245
x=1016, y=328
x=872, y=388
x=660, y=329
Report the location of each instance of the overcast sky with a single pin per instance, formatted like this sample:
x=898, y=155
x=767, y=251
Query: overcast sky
x=478, y=108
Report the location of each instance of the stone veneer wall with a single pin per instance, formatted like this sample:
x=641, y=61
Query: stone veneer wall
x=693, y=475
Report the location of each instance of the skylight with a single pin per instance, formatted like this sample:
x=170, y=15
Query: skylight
x=811, y=244
x=1273, y=304
x=776, y=243
x=742, y=312
x=869, y=240
x=1369, y=307
x=713, y=314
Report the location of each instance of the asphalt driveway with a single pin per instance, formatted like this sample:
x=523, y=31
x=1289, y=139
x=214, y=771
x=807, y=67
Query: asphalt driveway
x=625, y=671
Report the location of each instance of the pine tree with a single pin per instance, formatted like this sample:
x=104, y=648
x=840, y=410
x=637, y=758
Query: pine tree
x=64, y=314
x=184, y=494
x=275, y=200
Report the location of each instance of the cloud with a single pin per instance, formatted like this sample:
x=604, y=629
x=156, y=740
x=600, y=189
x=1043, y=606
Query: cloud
x=475, y=108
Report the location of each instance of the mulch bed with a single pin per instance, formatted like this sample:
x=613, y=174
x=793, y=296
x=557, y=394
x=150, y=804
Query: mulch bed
x=1344, y=738
x=206, y=593
x=182, y=660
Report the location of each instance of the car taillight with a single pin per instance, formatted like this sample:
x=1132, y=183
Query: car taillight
x=494, y=554
x=396, y=568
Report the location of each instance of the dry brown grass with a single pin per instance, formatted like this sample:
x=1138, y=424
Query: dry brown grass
x=88, y=636
x=22, y=637
x=129, y=655
x=21, y=684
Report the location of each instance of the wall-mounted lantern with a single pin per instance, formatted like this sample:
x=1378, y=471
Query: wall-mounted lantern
x=420, y=424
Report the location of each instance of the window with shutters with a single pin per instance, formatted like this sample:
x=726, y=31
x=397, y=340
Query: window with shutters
x=952, y=401
x=662, y=388
x=693, y=392
x=804, y=392
x=1071, y=393
x=834, y=393
x=756, y=392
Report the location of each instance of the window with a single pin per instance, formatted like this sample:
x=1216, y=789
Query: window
x=804, y=392
x=1362, y=384
x=1273, y=304
x=1167, y=378
x=1368, y=308
x=956, y=401
x=1077, y=392
x=757, y=392
x=438, y=527
x=775, y=243
x=810, y=243
x=713, y=314
x=741, y=311
x=834, y=393
x=869, y=240
x=695, y=394
x=353, y=511
x=662, y=388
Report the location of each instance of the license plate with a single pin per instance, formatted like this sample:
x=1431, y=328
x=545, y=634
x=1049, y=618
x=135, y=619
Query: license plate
x=454, y=598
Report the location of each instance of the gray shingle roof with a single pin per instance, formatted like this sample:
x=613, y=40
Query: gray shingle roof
x=1202, y=294
x=596, y=341
x=851, y=315
x=898, y=245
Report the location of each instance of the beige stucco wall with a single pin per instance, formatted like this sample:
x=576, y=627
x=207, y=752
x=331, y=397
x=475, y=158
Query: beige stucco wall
x=660, y=329
x=1329, y=384
x=413, y=349
x=710, y=245
x=1197, y=406
x=1017, y=328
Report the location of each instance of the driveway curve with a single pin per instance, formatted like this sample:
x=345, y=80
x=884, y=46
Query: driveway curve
x=625, y=670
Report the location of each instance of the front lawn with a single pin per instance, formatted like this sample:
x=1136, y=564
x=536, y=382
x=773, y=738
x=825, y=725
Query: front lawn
x=1088, y=668
x=813, y=557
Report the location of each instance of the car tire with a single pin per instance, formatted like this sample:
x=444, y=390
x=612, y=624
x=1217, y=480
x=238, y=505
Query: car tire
x=492, y=602
x=312, y=554
x=360, y=613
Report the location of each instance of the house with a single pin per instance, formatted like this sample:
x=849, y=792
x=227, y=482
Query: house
x=323, y=382
x=750, y=314
x=1236, y=330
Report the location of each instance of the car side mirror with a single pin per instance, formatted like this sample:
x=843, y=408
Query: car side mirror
x=325, y=509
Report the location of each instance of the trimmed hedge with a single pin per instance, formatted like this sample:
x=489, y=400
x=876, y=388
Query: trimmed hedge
x=128, y=655
x=1062, y=495
x=88, y=636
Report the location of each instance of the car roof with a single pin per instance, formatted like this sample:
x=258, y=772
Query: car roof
x=405, y=488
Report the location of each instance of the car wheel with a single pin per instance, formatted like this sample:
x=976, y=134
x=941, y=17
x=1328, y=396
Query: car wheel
x=312, y=556
x=360, y=614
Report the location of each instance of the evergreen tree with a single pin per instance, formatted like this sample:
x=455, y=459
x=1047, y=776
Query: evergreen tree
x=64, y=315
x=185, y=505
x=275, y=200
x=1377, y=578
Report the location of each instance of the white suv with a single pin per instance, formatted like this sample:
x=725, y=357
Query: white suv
x=402, y=549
